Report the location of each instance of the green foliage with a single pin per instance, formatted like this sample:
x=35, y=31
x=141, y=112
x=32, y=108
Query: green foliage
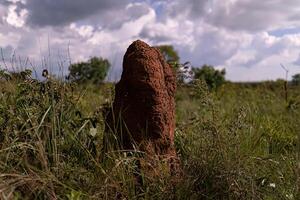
x=241, y=142
x=93, y=71
x=296, y=79
x=170, y=55
x=17, y=76
x=41, y=132
x=213, y=78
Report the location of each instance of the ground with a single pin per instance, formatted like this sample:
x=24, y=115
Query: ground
x=238, y=142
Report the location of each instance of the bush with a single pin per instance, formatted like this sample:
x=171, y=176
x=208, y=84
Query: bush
x=93, y=71
x=213, y=78
x=296, y=79
x=170, y=55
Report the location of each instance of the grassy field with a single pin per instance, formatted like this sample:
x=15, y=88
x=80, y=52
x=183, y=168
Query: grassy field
x=239, y=142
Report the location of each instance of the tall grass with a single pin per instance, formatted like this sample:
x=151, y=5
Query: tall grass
x=240, y=142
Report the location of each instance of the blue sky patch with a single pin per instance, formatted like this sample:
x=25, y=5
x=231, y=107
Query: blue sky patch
x=283, y=32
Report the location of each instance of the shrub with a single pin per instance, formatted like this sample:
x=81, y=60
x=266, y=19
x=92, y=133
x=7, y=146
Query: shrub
x=296, y=79
x=213, y=78
x=93, y=71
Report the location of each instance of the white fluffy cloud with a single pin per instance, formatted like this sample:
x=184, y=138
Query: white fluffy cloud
x=249, y=38
x=245, y=15
x=15, y=18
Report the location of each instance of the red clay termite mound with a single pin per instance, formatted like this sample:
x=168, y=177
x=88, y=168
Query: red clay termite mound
x=143, y=111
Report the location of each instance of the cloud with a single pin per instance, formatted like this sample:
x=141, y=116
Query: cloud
x=268, y=69
x=59, y=13
x=170, y=31
x=240, y=15
x=16, y=18
x=232, y=34
x=84, y=30
x=262, y=57
x=9, y=38
x=297, y=61
x=247, y=38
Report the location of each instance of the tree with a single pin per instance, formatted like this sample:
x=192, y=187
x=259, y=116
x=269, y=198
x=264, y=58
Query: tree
x=296, y=79
x=170, y=55
x=213, y=78
x=93, y=71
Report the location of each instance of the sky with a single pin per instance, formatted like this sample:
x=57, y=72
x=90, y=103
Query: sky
x=249, y=38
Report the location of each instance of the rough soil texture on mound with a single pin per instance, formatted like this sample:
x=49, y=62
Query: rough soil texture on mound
x=144, y=101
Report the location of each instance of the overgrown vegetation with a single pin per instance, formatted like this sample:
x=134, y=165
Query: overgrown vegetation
x=212, y=77
x=169, y=53
x=93, y=71
x=239, y=142
x=296, y=79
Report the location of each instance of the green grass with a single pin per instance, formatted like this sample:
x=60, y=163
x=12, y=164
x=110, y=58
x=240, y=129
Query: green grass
x=239, y=142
